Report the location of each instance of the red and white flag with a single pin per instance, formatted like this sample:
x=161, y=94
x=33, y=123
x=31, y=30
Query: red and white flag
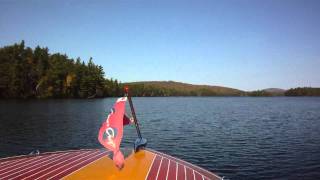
x=111, y=131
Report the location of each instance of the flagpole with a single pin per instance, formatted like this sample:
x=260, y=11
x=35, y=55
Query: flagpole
x=133, y=112
x=140, y=142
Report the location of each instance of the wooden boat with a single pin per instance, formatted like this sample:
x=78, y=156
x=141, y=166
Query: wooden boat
x=145, y=164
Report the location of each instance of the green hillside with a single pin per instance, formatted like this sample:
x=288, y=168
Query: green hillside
x=267, y=92
x=171, y=88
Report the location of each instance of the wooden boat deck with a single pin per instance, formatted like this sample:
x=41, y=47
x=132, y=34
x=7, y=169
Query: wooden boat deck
x=96, y=164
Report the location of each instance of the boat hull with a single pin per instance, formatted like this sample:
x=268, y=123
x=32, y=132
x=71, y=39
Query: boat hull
x=97, y=164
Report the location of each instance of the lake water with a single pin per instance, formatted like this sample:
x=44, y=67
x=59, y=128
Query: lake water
x=235, y=137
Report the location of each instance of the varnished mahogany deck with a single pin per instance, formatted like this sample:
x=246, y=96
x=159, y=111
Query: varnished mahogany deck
x=96, y=164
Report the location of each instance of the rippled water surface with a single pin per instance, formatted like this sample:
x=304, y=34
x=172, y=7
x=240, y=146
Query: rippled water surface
x=235, y=137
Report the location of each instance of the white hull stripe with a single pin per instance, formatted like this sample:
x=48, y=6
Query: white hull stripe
x=93, y=157
x=27, y=163
x=37, y=166
x=185, y=166
x=56, y=165
x=65, y=165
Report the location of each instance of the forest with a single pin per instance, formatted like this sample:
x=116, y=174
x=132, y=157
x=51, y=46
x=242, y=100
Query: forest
x=303, y=91
x=35, y=73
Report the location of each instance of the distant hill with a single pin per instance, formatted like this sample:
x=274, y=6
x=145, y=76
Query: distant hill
x=172, y=88
x=275, y=91
x=266, y=92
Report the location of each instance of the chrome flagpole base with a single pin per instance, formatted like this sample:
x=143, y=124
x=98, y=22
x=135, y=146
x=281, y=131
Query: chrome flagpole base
x=139, y=144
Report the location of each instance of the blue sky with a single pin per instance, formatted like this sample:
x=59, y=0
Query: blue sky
x=244, y=44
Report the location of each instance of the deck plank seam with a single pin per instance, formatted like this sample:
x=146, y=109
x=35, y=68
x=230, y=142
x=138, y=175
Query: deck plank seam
x=18, y=164
x=29, y=162
x=66, y=165
x=159, y=168
x=55, y=165
x=187, y=163
x=107, y=153
x=194, y=176
x=168, y=170
x=6, y=159
x=78, y=164
x=150, y=166
x=176, y=170
x=46, y=162
x=185, y=172
x=10, y=162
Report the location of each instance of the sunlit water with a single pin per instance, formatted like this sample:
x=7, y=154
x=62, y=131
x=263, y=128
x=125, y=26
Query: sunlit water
x=235, y=137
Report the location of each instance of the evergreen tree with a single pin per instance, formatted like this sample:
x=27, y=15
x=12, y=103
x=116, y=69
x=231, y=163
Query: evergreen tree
x=27, y=73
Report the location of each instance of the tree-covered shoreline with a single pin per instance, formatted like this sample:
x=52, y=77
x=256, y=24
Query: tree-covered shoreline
x=171, y=88
x=303, y=91
x=35, y=73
